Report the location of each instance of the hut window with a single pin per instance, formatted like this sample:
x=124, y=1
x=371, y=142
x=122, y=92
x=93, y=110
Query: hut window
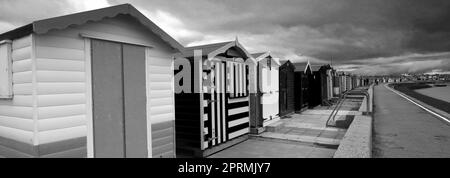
x=238, y=79
x=5, y=70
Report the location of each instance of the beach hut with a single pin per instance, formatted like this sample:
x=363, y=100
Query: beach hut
x=213, y=103
x=315, y=85
x=330, y=84
x=286, y=88
x=267, y=110
x=342, y=82
x=324, y=73
x=303, y=76
x=348, y=82
x=336, y=84
x=91, y=84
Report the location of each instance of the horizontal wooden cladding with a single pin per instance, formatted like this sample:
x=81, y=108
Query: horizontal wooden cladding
x=18, y=100
x=59, y=53
x=6, y=152
x=23, y=89
x=71, y=148
x=17, y=134
x=73, y=153
x=155, y=94
x=161, y=102
x=22, y=65
x=161, y=86
x=162, y=117
x=64, y=149
x=60, y=76
x=61, y=134
x=21, y=53
x=22, y=77
x=160, y=77
x=16, y=115
x=17, y=123
x=61, y=122
x=61, y=99
x=59, y=65
x=165, y=109
x=22, y=42
x=160, y=61
x=23, y=147
x=238, y=110
x=238, y=133
x=60, y=42
x=244, y=120
x=16, y=111
x=61, y=111
x=60, y=88
x=160, y=70
x=163, y=139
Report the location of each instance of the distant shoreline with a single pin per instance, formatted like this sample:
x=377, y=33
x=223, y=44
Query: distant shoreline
x=410, y=90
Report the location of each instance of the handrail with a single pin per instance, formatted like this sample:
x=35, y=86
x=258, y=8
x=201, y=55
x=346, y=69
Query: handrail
x=341, y=100
x=336, y=109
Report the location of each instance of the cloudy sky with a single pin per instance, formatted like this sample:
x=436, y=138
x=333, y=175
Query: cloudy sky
x=375, y=37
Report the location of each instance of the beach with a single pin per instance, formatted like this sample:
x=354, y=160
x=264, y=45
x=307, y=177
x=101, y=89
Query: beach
x=440, y=93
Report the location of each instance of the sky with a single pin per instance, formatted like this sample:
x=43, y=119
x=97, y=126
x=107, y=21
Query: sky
x=367, y=37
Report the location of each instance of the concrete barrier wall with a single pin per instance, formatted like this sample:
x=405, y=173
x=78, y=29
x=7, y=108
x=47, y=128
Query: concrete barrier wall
x=357, y=142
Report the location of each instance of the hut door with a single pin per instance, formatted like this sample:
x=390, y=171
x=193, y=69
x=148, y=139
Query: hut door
x=304, y=90
x=283, y=92
x=119, y=99
x=226, y=102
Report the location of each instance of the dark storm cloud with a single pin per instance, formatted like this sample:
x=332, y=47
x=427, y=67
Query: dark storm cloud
x=351, y=32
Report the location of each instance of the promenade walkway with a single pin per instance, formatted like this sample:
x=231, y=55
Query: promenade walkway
x=402, y=129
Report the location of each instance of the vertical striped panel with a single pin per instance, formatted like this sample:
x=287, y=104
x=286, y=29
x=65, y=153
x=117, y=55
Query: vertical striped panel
x=227, y=112
x=230, y=73
x=222, y=99
x=236, y=79
x=213, y=108
x=217, y=103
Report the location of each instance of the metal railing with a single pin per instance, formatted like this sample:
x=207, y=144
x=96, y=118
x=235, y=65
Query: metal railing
x=342, y=98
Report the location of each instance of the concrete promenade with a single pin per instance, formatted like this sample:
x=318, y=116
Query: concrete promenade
x=402, y=129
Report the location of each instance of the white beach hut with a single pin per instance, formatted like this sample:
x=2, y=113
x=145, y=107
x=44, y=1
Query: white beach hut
x=92, y=84
x=267, y=89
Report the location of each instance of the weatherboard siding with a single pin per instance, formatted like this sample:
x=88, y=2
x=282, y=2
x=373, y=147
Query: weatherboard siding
x=60, y=96
x=16, y=114
x=161, y=101
x=49, y=104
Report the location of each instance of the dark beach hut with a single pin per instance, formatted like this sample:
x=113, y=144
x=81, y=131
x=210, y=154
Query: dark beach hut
x=286, y=88
x=315, y=86
x=303, y=76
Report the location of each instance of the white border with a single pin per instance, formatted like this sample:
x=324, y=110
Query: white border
x=424, y=108
x=149, y=121
x=88, y=81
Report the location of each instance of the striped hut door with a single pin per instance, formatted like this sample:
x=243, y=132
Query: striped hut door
x=214, y=103
x=226, y=102
x=237, y=100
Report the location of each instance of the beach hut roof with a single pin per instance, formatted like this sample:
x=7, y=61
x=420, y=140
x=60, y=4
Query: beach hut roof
x=260, y=56
x=212, y=50
x=63, y=22
x=287, y=63
x=302, y=67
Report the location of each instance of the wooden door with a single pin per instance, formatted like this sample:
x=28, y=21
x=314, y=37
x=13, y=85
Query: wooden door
x=283, y=101
x=226, y=102
x=119, y=99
